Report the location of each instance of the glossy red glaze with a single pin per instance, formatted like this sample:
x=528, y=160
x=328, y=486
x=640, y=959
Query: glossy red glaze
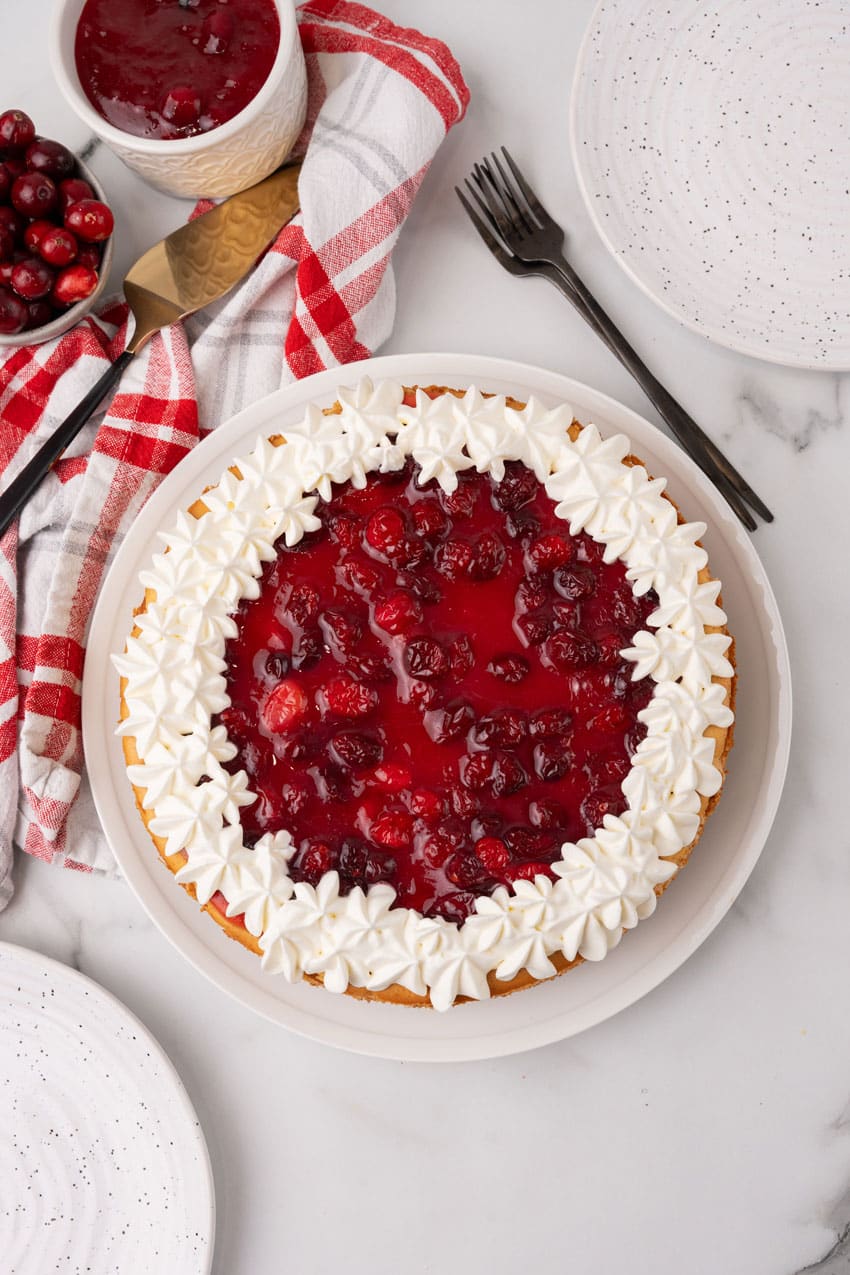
x=162, y=69
x=460, y=681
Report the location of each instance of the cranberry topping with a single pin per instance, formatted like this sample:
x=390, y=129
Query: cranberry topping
x=170, y=68
x=442, y=727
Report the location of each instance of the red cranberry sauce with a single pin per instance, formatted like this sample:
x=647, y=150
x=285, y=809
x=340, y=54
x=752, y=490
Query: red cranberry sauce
x=174, y=68
x=429, y=690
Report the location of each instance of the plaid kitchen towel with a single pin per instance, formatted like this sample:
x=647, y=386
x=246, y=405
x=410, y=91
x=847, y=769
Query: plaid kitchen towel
x=380, y=101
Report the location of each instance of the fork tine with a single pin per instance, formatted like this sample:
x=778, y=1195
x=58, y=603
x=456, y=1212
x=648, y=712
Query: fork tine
x=503, y=257
x=519, y=222
x=528, y=194
x=494, y=202
x=485, y=211
x=507, y=189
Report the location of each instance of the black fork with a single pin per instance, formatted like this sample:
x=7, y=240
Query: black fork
x=526, y=240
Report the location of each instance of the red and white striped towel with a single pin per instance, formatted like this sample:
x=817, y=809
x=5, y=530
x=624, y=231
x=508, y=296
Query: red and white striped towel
x=380, y=101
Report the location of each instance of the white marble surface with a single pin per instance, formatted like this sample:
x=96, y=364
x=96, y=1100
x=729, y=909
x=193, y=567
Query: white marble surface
x=707, y=1129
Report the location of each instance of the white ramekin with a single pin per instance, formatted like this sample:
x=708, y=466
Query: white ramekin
x=226, y=159
x=62, y=322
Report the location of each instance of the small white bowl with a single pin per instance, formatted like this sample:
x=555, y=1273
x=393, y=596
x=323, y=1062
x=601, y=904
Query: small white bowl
x=66, y=320
x=226, y=159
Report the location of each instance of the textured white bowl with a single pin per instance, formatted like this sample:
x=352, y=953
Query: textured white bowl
x=226, y=159
x=62, y=322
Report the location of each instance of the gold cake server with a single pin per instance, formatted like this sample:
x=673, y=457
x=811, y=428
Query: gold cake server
x=186, y=271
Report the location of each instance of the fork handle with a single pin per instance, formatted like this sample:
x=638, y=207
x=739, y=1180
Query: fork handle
x=685, y=428
x=21, y=488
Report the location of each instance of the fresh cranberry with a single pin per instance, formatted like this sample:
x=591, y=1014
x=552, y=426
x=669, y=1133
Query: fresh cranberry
x=398, y=613
x=488, y=557
x=493, y=854
x=58, y=247
x=453, y=907
x=534, y=627
x=89, y=254
x=314, y=861
x=345, y=529
x=15, y=166
x=509, y=668
x=72, y=190
x=449, y=722
x=40, y=313
x=568, y=651
x=426, y=805
x=358, y=752
x=461, y=502
x=393, y=829
x=16, y=130
x=437, y=850
x=595, y=807
x=528, y=843
x=552, y=759
x=32, y=279
x=303, y=604
x=476, y=769
x=575, y=582
x=33, y=195
x=342, y=630
x=285, y=707
x=505, y=727
x=463, y=804
x=532, y=593
x=347, y=698
x=463, y=870
x=73, y=284
x=550, y=722
x=424, y=657
x=13, y=313
x=508, y=775
x=549, y=551
x=181, y=106
x=36, y=231
x=90, y=220
x=385, y=531
x=429, y=519
x=609, y=647
x=217, y=32
x=51, y=158
x=454, y=558
x=6, y=268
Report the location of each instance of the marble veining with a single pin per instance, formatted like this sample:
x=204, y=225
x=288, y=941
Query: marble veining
x=710, y=1118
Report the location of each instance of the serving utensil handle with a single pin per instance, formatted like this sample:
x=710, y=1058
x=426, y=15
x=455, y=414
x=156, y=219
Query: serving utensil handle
x=21, y=488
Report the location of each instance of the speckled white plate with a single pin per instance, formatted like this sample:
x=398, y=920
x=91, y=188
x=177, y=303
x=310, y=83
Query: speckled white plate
x=690, y=909
x=712, y=144
x=103, y=1165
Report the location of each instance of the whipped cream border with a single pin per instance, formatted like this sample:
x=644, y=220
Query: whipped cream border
x=173, y=667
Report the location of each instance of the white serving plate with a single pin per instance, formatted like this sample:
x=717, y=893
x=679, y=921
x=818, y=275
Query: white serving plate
x=688, y=912
x=103, y=1163
x=711, y=144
